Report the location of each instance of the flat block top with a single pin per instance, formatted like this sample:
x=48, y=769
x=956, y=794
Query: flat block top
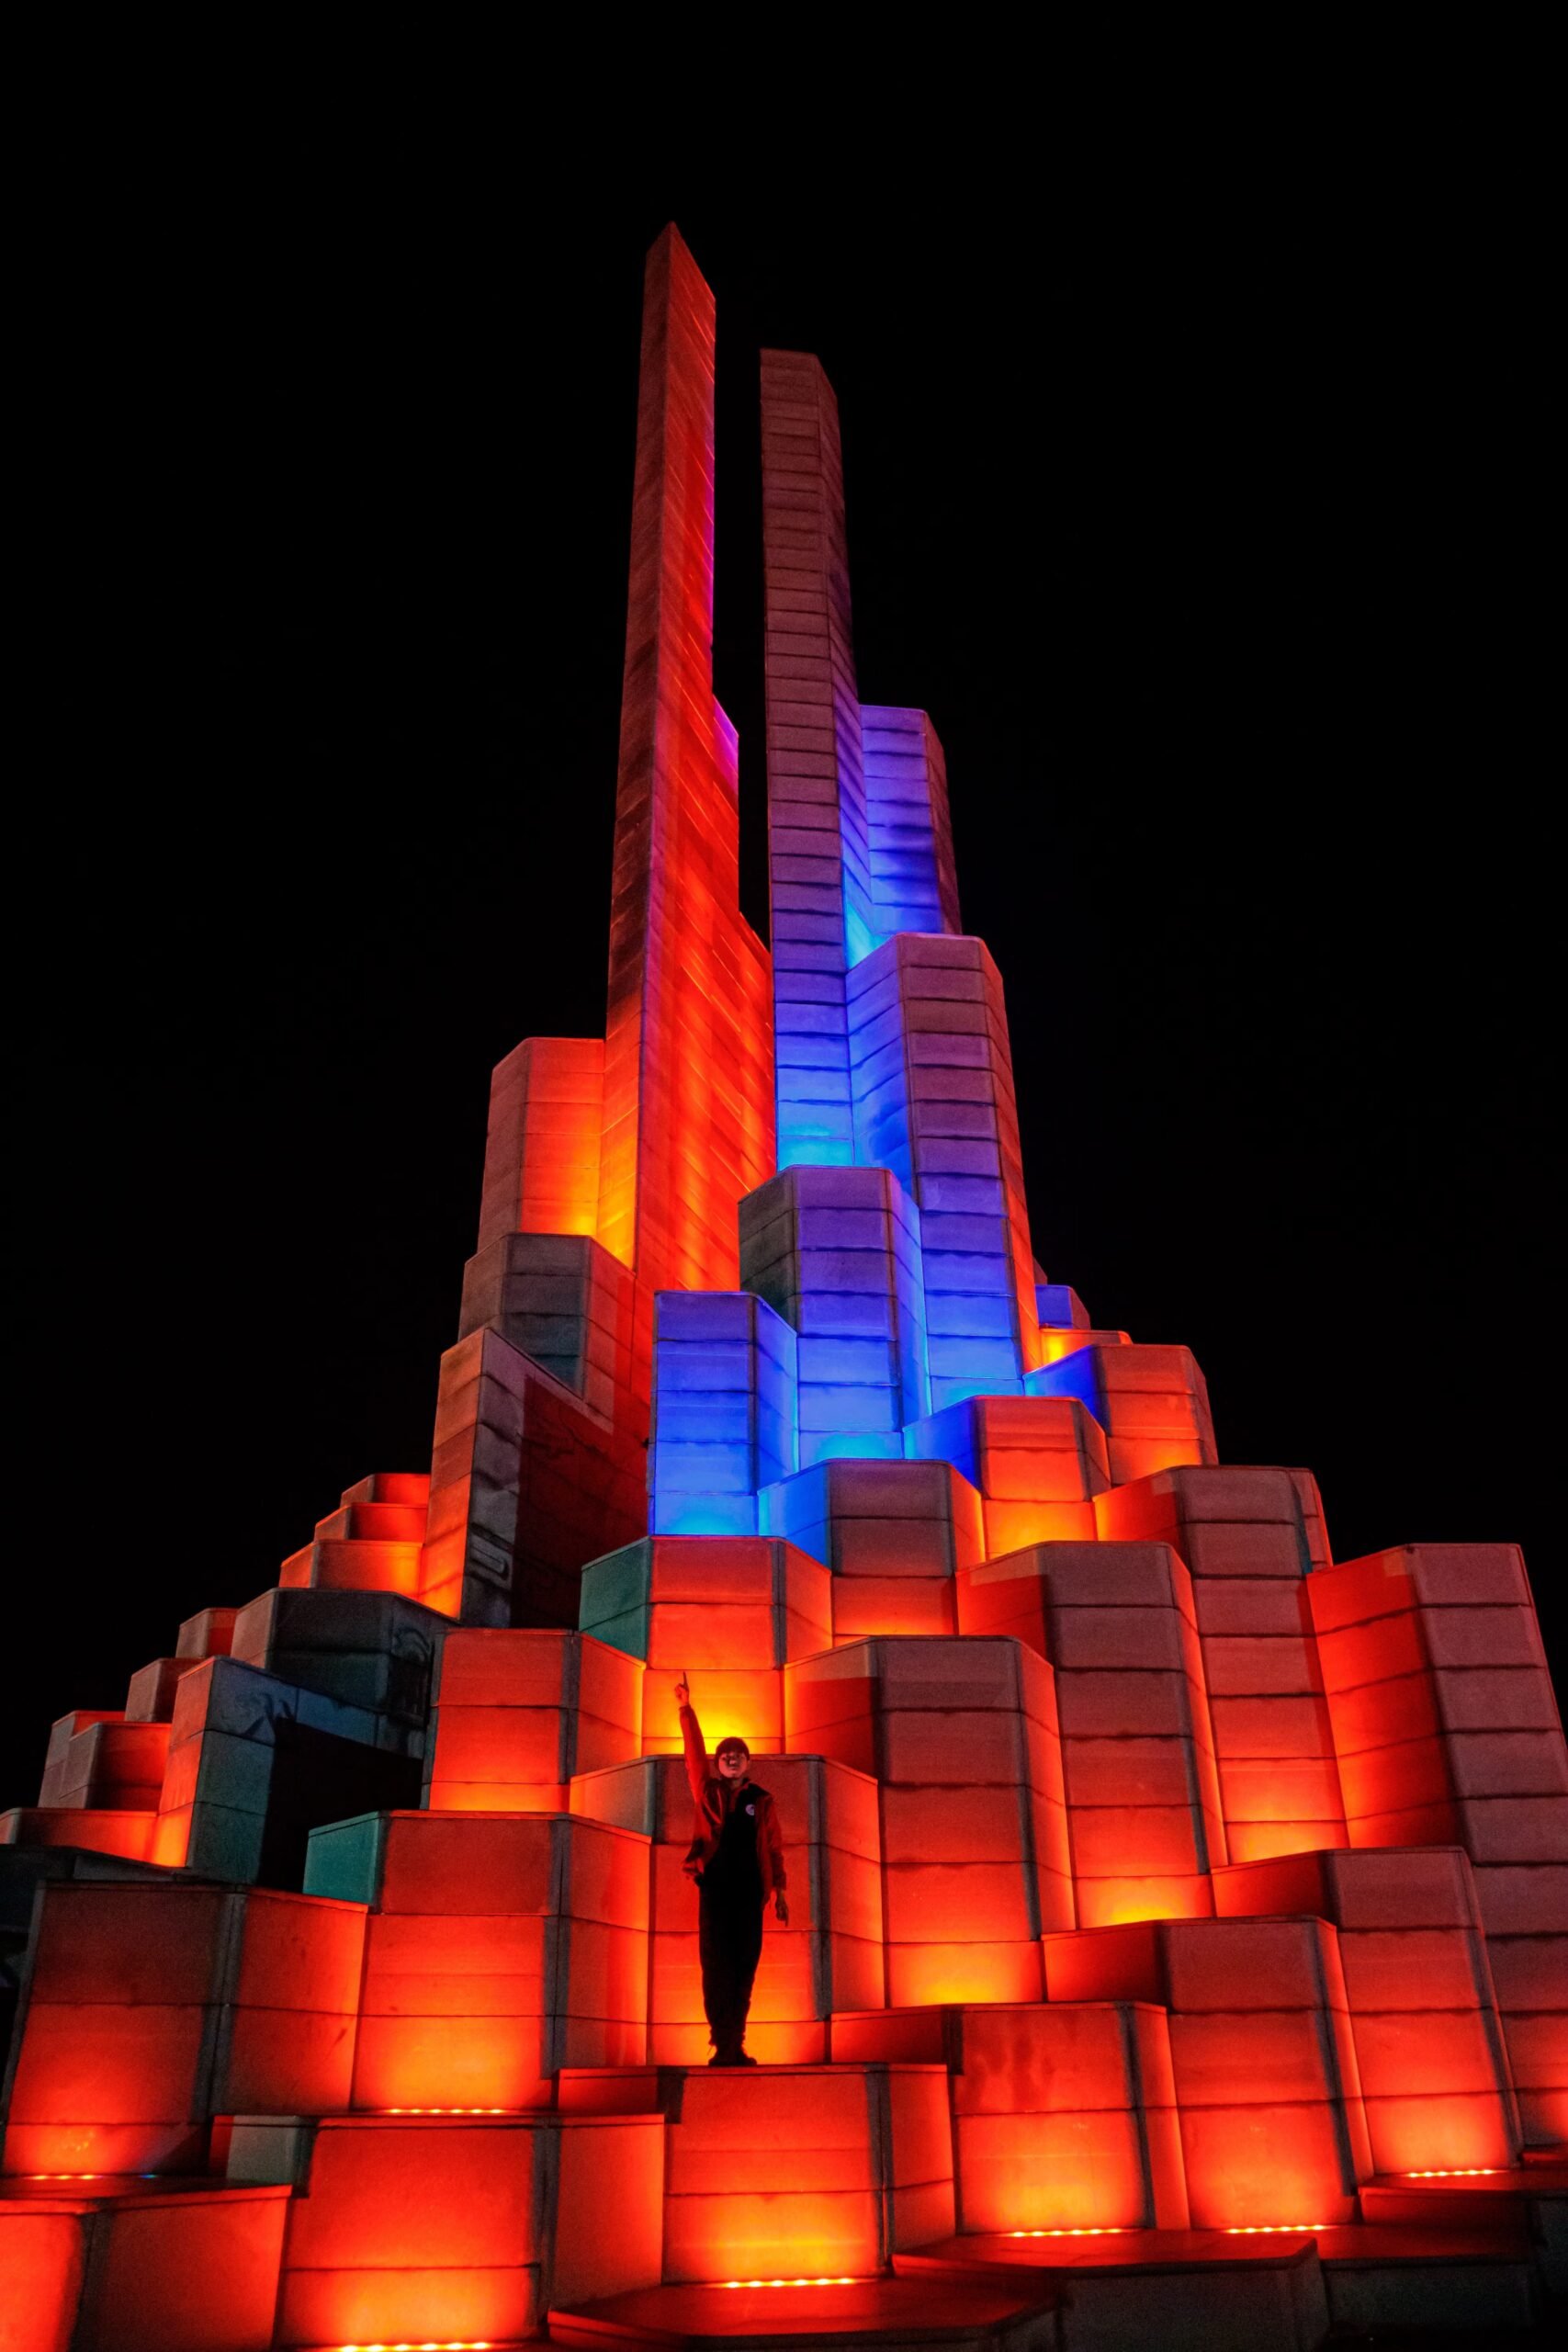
x=787, y=2313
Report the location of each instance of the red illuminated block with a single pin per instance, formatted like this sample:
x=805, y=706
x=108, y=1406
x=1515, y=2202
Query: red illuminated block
x=151, y=2270
x=129, y=1835
x=803, y=2171
x=1151, y=1402
x=1117, y=1621
x=408, y=2227
x=1263, y=2057
x=58, y=1754
x=499, y=1947
x=1249, y=1538
x=1064, y=2117
x=1429, y=2044
x=150, y=2009
x=962, y=1737
x=867, y=1605
x=541, y=1167
x=733, y=1604
x=207, y=1634
x=1037, y=1461
x=830, y=1954
x=150, y=1696
x=111, y=1763
x=518, y=1712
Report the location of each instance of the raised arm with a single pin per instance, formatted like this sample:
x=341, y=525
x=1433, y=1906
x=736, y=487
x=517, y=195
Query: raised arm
x=692, y=1740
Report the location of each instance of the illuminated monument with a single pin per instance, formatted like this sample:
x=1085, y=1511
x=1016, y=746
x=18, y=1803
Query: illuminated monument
x=1179, y=1928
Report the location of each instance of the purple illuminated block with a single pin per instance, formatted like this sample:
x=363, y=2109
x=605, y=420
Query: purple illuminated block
x=913, y=879
x=837, y=1253
x=724, y=1411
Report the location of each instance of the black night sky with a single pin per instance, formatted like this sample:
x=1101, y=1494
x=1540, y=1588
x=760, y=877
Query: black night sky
x=1206, y=524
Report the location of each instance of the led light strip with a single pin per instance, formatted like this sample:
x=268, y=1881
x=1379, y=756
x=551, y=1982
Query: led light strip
x=438, y=2111
x=1460, y=2172
x=1277, y=2229
x=772, y=2282
x=1119, y=2230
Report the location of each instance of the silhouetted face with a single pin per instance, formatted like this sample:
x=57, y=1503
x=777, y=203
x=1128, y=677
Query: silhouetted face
x=733, y=1758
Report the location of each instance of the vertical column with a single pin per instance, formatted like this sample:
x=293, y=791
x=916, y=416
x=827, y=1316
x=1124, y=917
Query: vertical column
x=819, y=867
x=932, y=1072
x=688, y=1064
x=547, y=1101
x=914, y=880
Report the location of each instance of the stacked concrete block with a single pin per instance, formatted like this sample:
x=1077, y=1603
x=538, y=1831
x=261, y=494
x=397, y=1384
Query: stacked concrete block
x=1060, y=1308
x=207, y=1634
x=820, y=891
x=934, y=1102
x=255, y=1763
x=726, y=1612
x=1117, y=1622
x=1263, y=2058
x=518, y=1712
x=1064, y=2118
x=375, y=1650
x=1448, y=1731
x=150, y=1695
x=914, y=882
x=828, y=1957
x=107, y=1762
x=565, y=1304
x=148, y=2010
x=409, y=2227
x=688, y=1119
x=1429, y=2048
x=837, y=1253
x=962, y=1736
x=167, y=2268
x=723, y=1423
x=1152, y=1403
x=809, y=2169
x=894, y=1533
x=525, y=1484
x=1250, y=1538
x=499, y=1948
x=541, y=1169
x=1036, y=1460
x=371, y=1543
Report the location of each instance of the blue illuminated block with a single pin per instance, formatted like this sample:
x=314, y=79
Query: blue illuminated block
x=724, y=1411
x=1077, y=1375
x=1060, y=1308
x=837, y=1251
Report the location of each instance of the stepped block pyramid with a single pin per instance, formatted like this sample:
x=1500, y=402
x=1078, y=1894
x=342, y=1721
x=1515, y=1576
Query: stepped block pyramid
x=1179, y=1916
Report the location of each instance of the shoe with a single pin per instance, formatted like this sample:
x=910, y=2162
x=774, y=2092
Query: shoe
x=742, y=2058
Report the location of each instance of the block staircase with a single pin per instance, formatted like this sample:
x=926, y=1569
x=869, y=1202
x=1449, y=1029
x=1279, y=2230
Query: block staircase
x=1177, y=1937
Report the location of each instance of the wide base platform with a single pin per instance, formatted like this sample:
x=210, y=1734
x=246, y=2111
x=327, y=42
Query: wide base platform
x=889, y=2313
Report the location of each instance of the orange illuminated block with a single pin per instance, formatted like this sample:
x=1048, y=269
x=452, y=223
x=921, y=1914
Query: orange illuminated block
x=541, y=1172
x=866, y=1605
x=1249, y=1538
x=413, y=2227
x=189, y=2270
x=518, y=1712
x=962, y=1737
x=831, y=1953
x=150, y=2009
x=1429, y=2043
x=1117, y=1621
x=1151, y=1402
x=43, y=2259
x=1262, y=2054
x=99, y=1832
x=1037, y=1461
x=499, y=1947
x=748, y=1705
x=805, y=2171
x=1064, y=2117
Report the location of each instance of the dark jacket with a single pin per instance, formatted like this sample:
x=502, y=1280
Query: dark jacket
x=715, y=1797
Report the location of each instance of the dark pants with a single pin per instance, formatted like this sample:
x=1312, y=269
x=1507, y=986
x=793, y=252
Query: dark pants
x=730, y=1939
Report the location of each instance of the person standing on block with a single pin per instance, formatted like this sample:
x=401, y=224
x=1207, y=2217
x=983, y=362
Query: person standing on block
x=736, y=1859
